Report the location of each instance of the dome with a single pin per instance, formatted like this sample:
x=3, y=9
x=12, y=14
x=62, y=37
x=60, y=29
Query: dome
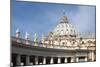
x=64, y=28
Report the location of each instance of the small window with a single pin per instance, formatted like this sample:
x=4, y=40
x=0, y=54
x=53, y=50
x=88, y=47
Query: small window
x=57, y=30
x=73, y=42
x=82, y=42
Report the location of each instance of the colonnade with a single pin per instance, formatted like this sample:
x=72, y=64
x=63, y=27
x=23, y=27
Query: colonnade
x=27, y=60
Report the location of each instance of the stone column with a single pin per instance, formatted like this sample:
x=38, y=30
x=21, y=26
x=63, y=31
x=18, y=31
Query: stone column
x=77, y=59
x=65, y=60
x=92, y=55
x=11, y=64
x=27, y=60
x=18, y=60
x=22, y=64
x=86, y=58
x=51, y=61
x=36, y=60
x=59, y=59
x=44, y=60
x=72, y=59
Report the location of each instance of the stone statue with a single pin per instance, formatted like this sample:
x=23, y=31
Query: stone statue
x=35, y=39
x=26, y=36
x=42, y=39
x=17, y=33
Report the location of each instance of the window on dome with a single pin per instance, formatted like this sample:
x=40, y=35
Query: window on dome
x=74, y=31
x=71, y=30
x=73, y=42
x=55, y=39
x=63, y=43
x=82, y=42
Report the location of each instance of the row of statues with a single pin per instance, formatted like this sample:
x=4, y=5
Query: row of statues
x=26, y=35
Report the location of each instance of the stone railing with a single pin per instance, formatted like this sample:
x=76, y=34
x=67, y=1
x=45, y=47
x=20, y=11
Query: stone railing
x=32, y=43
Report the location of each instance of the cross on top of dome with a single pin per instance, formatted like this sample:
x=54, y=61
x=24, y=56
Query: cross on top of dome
x=64, y=28
x=64, y=19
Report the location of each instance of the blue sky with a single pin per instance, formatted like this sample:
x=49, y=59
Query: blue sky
x=42, y=18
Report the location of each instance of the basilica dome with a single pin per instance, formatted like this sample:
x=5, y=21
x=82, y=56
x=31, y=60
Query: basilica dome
x=64, y=27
